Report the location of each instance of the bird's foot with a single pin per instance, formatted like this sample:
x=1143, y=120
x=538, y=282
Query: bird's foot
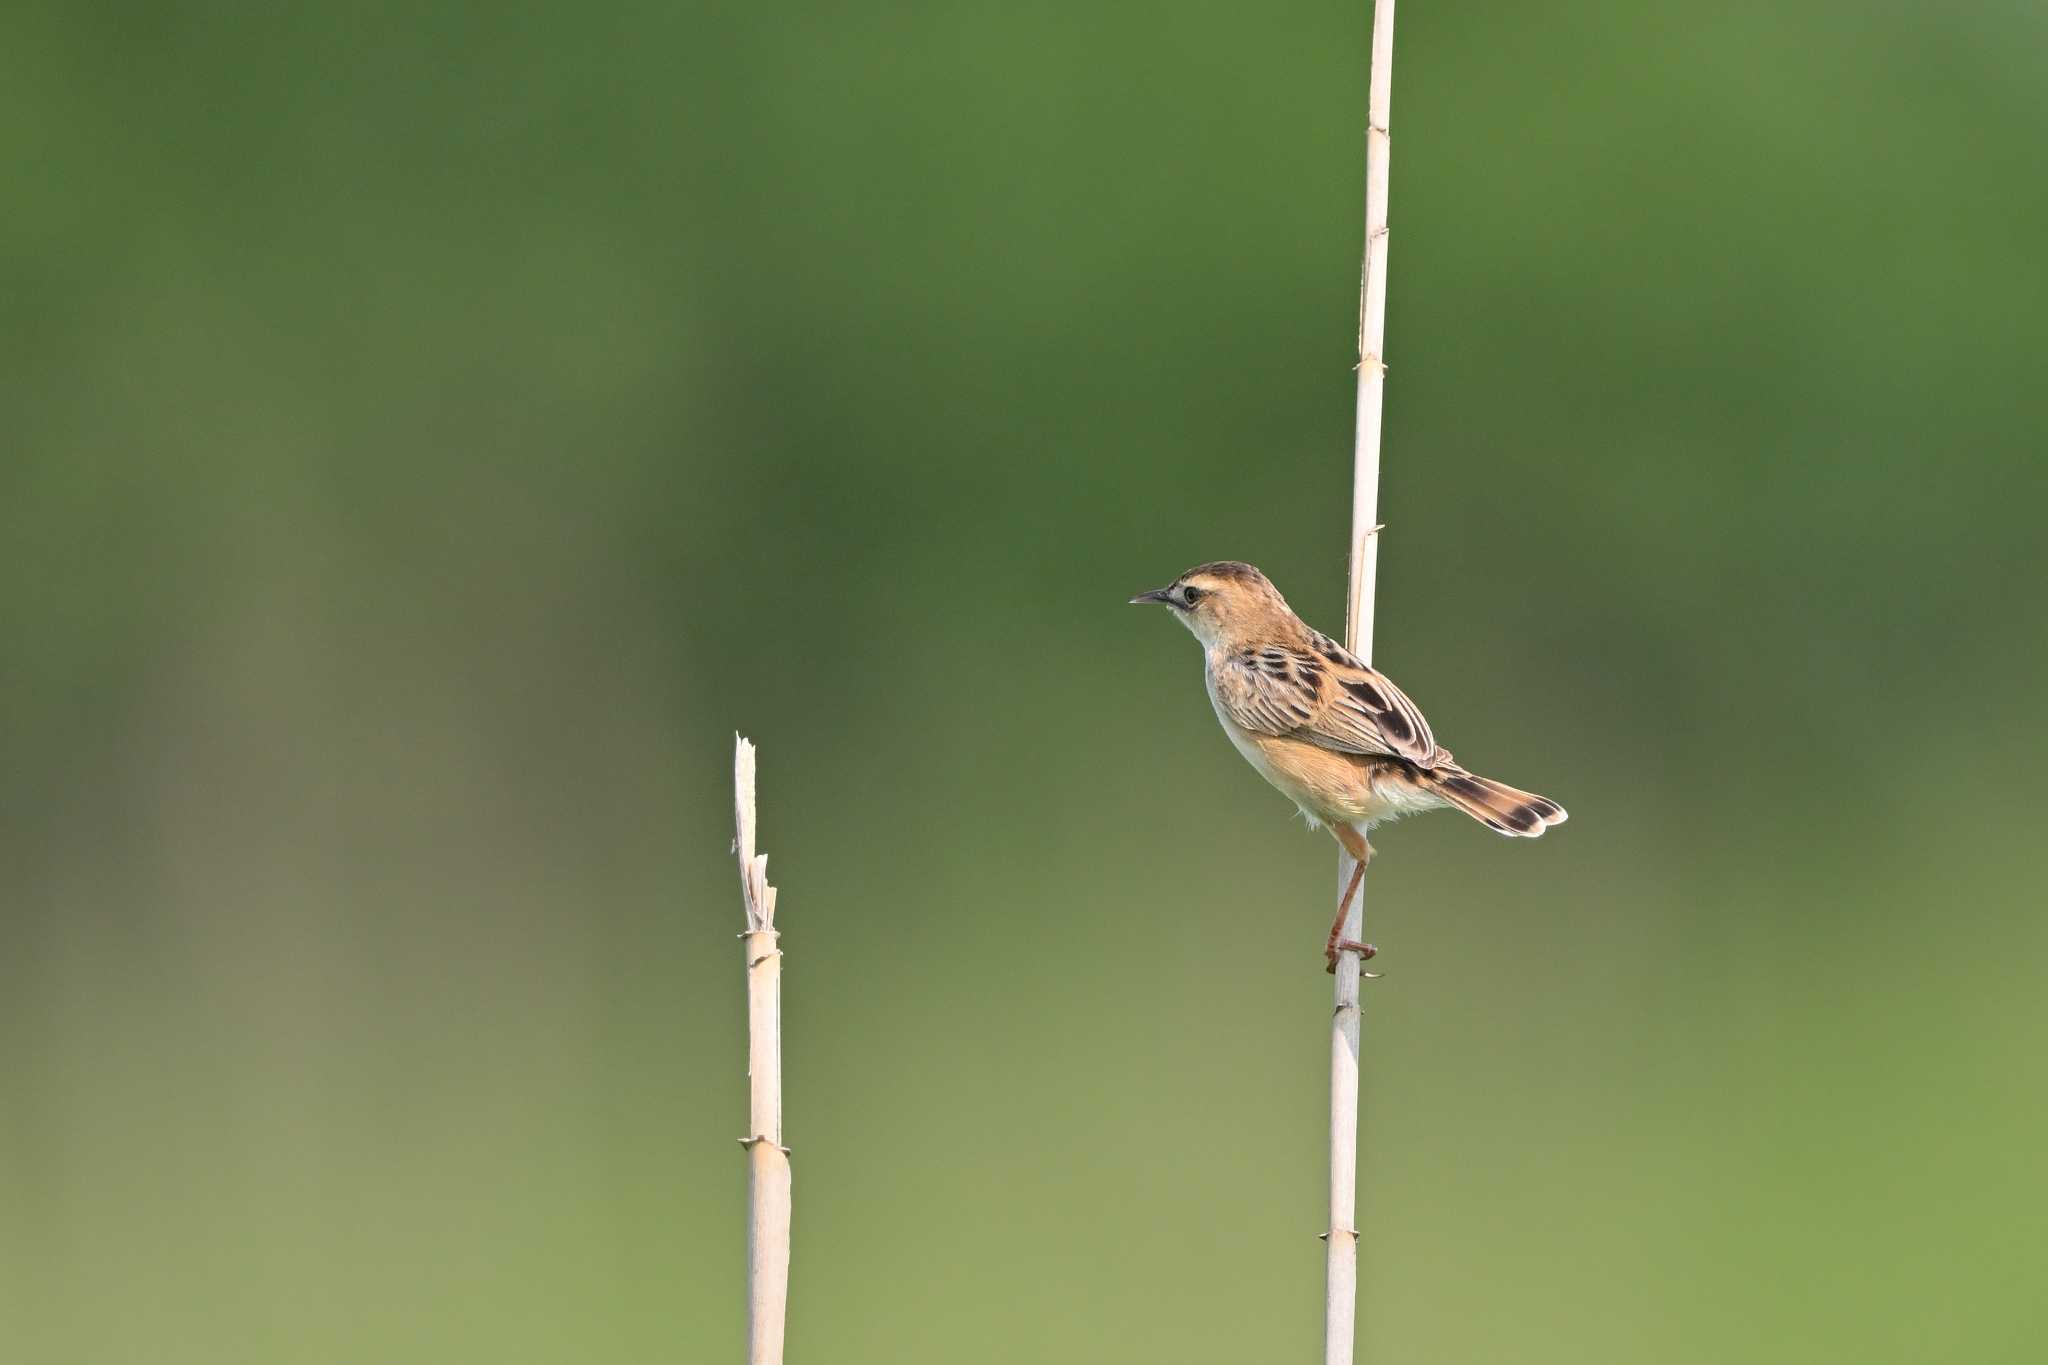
x=1348, y=945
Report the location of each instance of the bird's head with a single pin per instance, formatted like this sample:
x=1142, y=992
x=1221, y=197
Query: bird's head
x=1226, y=602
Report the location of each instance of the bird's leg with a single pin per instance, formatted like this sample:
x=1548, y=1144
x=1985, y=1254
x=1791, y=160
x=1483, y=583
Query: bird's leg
x=1354, y=844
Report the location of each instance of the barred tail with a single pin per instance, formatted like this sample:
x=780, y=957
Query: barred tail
x=1517, y=814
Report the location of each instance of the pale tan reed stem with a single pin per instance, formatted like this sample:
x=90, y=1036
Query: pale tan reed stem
x=768, y=1173
x=1340, y=1274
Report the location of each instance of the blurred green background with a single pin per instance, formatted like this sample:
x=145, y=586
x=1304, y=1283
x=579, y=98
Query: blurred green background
x=432, y=430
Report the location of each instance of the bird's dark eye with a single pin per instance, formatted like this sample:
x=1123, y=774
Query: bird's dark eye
x=1192, y=594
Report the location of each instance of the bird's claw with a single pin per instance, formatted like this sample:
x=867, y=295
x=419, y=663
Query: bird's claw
x=1364, y=951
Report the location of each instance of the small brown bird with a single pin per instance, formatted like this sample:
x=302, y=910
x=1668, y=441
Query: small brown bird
x=1337, y=738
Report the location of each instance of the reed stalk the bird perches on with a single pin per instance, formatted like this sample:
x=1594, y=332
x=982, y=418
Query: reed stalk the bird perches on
x=1335, y=736
x=1340, y=1250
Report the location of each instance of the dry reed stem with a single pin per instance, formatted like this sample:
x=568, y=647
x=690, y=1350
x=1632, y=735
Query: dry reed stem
x=768, y=1174
x=1340, y=1270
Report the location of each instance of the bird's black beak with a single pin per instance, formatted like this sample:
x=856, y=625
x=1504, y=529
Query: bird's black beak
x=1156, y=595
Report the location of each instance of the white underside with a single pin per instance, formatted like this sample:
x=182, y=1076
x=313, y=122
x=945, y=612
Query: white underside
x=1392, y=803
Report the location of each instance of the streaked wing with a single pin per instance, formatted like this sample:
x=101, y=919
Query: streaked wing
x=1326, y=696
